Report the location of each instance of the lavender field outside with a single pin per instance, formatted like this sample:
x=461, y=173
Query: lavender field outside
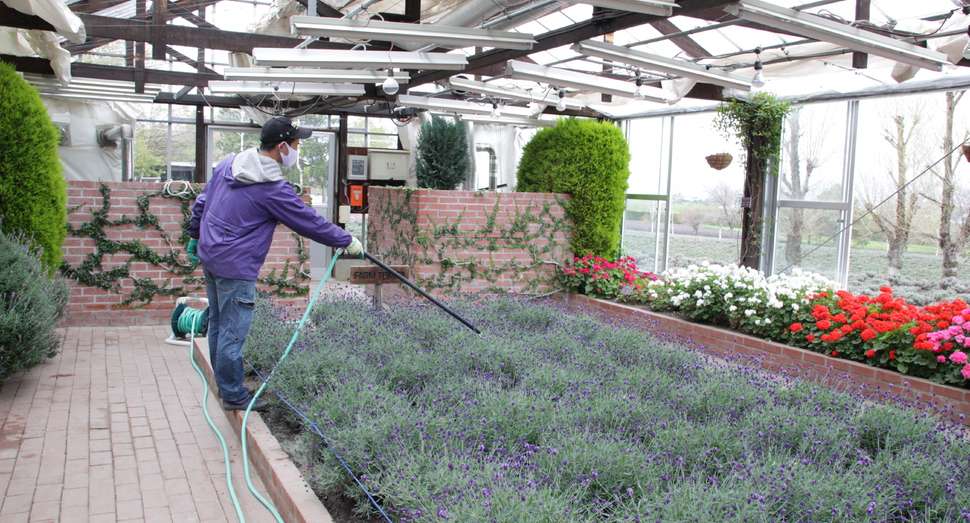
x=558, y=417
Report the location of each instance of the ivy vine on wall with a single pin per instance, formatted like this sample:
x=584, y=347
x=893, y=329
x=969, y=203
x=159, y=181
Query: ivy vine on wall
x=91, y=272
x=465, y=256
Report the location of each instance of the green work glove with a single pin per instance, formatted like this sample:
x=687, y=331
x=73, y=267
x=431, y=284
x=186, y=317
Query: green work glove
x=355, y=248
x=191, y=249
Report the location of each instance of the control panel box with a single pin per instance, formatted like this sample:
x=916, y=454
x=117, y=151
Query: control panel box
x=358, y=167
x=388, y=164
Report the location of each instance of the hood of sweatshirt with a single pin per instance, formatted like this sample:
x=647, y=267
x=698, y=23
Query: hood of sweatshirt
x=250, y=167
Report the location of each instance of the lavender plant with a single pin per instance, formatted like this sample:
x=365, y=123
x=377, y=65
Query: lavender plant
x=561, y=417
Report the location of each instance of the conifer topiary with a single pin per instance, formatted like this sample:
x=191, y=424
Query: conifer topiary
x=33, y=193
x=442, y=160
x=589, y=160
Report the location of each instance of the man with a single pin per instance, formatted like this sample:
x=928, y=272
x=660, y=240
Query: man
x=232, y=226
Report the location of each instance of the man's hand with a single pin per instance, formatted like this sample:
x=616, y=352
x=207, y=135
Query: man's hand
x=355, y=248
x=191, y=249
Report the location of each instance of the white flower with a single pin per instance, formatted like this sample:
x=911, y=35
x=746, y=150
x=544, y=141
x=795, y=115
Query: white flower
x=733, y=308
x=749, y=312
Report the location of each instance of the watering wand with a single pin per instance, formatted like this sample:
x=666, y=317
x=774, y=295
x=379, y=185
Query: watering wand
x=430, y=298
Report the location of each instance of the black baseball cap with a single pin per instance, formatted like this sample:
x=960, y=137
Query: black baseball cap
x=281, y=128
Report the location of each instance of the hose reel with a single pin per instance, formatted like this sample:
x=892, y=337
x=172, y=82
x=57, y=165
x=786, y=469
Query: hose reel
x=187, y=320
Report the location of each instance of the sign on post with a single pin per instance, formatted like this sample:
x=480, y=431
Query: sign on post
x=374, y=275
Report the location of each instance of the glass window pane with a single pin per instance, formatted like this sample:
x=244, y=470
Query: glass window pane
x=813, y=150
x=225, y=114
x=317, y=121
x=357, y=123
x=381, y=125
x=356, y=140
x=382, y=141
x=805, y=240
x=314, y=164
x=642, y=229
x=183, y=112
x=226, y=143
x=705, y=231
x=646, y=139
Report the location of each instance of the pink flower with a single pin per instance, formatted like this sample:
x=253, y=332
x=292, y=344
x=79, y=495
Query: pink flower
x=958, y=357
x=941, y=358
x=955, y=329
x=958, y=320
x=965, y=371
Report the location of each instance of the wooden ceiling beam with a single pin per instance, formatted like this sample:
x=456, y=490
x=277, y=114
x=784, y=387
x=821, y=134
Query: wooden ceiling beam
x=139, y=31
x=30, y=64
x=685, y=43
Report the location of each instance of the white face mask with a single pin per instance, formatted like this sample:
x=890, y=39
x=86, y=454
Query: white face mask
x=289, y=159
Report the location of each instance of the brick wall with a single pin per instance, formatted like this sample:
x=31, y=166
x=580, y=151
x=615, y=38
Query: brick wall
x=792, y=361
x=402, y=230
x=94, y=306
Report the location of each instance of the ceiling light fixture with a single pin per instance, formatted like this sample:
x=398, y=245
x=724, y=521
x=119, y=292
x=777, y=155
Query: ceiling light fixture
x=588, y=82
x=650, y=7
x=663, y=64
x=95, y=89
x=337, y=76
x=341, y=59
x=285, y=88
x=463, y=84
x=561, y=105
x=819, y=28
x=390, y=85
x=759, y=76
x=496, y=112
x=638, y=95
x=509, y=120
x=417, y=33
x=457, y=106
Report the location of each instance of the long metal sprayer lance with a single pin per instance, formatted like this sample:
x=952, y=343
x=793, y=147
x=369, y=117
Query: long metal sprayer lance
x=421, y=292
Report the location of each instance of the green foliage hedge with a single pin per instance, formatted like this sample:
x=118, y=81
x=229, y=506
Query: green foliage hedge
x=33, y=193
x=589, y=160
x=30, y=305
x=442, y=160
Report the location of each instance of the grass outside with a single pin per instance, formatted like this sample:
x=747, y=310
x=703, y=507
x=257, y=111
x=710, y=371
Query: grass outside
x=551, y=416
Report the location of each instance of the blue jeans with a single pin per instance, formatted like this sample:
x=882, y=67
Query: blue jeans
x=230, y=315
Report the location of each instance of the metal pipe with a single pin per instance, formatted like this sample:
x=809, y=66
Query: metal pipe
x=109, y=136
x=407, y=282
x=492, y=164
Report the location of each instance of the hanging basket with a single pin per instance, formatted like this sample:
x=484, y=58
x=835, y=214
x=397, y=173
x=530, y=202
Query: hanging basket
x=719, y=161
x=966, y=152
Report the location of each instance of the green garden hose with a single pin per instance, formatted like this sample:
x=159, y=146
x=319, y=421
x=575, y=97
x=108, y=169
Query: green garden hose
x=242, y=431
x=193, y=318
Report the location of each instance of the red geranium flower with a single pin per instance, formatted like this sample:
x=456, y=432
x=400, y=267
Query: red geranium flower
x=870, y=353
x=796, y=327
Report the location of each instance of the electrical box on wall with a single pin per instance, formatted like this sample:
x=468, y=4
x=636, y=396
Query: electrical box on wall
x=358, y=167
x=388, y=164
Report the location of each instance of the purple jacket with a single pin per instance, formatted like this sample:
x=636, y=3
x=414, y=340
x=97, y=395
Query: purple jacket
x=236, y=214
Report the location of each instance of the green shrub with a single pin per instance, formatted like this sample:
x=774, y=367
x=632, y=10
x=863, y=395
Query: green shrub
x=442, y=155
x=33, y=194
x=589, y=160
x=31, y=302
